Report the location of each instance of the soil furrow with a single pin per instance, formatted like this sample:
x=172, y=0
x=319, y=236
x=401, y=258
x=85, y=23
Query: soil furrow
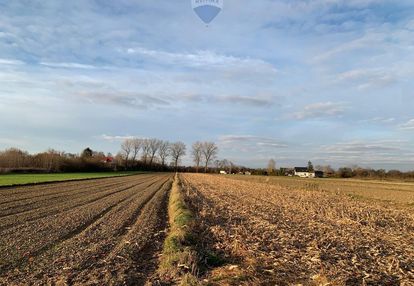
x=32, y=216
x=19, y=193
x=30, y=202
x=81, y=227
x=23, y=240
x=134, y=260
x=89, y=245
x=74, y=190
x=59, y=207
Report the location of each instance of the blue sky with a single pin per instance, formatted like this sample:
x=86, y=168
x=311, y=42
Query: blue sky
x=326, y=80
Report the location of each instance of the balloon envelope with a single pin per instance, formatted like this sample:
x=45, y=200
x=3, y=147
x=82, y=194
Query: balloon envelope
x=207, y=10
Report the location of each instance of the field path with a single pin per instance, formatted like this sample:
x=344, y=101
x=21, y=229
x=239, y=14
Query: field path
x=80, y=233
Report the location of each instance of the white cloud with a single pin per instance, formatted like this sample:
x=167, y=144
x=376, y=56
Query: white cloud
x=203, y=59
x=380, y=120
x=363, y=42
x=116, y=138
x=246, y=100
x=11, y=62
x=320, y=110
x=379, y=153
x=358, y=147
x=67, y=65
x=128, y=99
x=369, y=78
x=250, y=140
x=409, y=125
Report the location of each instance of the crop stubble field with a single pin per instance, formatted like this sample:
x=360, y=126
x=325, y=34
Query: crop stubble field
x=89, y=232
x=261, y=232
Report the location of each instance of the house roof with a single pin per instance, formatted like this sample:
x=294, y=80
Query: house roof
x=301, y=169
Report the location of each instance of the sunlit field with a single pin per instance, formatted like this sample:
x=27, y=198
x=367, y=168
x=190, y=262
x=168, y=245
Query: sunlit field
x=393, y=192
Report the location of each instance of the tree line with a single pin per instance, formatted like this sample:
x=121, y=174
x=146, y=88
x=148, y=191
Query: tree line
x=354, y=171
x=153, y=151
x=136, y=154
x=14, y=160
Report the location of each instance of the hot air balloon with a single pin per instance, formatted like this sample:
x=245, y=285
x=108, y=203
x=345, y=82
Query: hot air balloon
x=207, y=10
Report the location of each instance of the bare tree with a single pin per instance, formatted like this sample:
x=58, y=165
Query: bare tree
x=154, y=145
x=226, y=165
x=271, y=166
x=164, y=151
x=126, y=148
x=177, y=151
x=231, y=167
x=217, y=165
x=136, y=147
x=209, y=151
x=146, y=150
x=13, y=158
x=52, y=158
x=197, y=154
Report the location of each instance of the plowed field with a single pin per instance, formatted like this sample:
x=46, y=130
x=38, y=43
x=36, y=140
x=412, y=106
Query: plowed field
x=89, y=232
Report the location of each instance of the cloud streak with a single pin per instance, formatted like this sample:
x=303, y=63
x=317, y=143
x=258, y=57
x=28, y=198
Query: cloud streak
x=128, y=99
x=320, y=110
x=116, y=138
x=67, y=65
x=11, y=62
x=234, y=140
x=409, y=125
x=201, y=59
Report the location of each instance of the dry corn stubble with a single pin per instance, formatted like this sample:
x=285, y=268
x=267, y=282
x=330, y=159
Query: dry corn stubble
x=272, y=235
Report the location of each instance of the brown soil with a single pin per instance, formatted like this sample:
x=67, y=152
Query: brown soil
x=106, y=231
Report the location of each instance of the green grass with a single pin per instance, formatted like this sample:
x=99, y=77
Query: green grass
x=179, y=259
x=24, y=179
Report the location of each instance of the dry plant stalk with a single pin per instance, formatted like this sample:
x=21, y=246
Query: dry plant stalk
x=273, y=235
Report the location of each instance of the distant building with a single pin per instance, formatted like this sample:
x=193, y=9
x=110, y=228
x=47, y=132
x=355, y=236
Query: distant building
x=247, y=173
x=223, y=173
x=303, y=172
x=108, y=160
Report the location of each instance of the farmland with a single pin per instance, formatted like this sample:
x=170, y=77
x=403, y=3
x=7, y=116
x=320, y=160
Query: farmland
x=82, y=232
x=221, y=230
x=254, y=231
x=390, y=192
x=24, y=179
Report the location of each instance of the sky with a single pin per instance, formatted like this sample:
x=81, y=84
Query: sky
x=329, y=81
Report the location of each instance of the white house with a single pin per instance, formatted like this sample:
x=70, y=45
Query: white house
x=303, y=172
x=223, y=173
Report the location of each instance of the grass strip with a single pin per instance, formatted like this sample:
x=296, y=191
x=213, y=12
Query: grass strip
x=178, y=263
